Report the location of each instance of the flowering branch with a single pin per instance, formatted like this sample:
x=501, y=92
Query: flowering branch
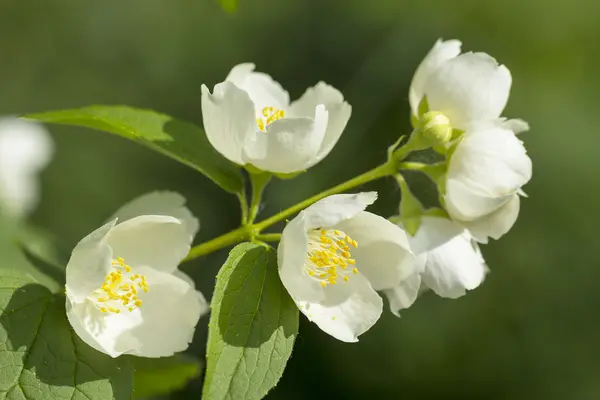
x=250, y=231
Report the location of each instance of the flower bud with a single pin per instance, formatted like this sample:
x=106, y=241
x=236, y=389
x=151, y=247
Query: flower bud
x=435, y=128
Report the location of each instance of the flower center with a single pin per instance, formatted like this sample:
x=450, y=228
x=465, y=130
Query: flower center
x=328, y=257
x=119, y=291
x=267, y=116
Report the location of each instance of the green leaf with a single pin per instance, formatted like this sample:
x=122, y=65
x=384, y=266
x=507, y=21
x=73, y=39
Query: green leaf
x=229, y=5
x=30, y=253
x=179, y=140
x=253, y=325
x=157, y=376
x=42, y=358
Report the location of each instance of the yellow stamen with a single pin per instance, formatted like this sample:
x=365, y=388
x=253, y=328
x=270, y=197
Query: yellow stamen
x=267, y=116
x=116, y=293
x=328, y=256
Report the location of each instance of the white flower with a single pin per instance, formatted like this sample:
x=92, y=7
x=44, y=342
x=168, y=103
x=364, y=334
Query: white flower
x=125, y=294
x=466, y=88
x=249, y=119
x=484, y=179
x=448, y=261
x=333, y=256
x=25, y=149
x=489, y=165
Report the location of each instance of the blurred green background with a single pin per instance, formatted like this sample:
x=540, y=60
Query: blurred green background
x=531, y=331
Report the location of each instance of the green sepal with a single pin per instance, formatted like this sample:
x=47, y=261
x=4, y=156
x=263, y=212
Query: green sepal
x=457, y=133
x=412, y=225
x=411, y=208
x=421, y=109
x=451, y=148
x=423, y=106
x=252, y=169
x=290, y=175
x=414, y=120
x=436, y=212
x=436, y=171
x=393, y=147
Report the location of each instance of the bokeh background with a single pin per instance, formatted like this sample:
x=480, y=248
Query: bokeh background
x=531, y=331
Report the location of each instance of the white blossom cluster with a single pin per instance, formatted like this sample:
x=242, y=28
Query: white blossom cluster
x=126, y=295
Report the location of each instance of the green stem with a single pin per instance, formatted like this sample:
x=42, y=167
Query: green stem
x=259, y=182
x=414, y=166
x=387, y=169
x=433, y=171
x=243, y=206
x=252, y=231
x=269, y=237
x=233, y=237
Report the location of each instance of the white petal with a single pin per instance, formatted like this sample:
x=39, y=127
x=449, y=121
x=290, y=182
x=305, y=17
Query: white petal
x=383, y=254
x=160, y=203
x=25, y=149
x=348, y=310
x=434, y=232
x=453, y=267
x=291, y=256
x=500, y=159
x=204, y=307
x=164, y=323
x=238, y=74
x=405, y=294
x=332, y=210
x=89, y=264
x=339, y=113
x=496, y=224
x=343, y=310
x=516, y=125
x=288, y=145
x=441, y=52
x=487, y=167
x=170, y=312
x=150, y=240
x=470, y=87
x=106, y=332
x=229, y=117
x=464, y=203
x=263, y=90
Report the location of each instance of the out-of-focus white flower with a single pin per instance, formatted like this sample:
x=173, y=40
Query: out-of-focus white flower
x=484, y=179
x=125, y=294
x=25, y=149
x=249, y=119
x=333, y=256
x=448, y=261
